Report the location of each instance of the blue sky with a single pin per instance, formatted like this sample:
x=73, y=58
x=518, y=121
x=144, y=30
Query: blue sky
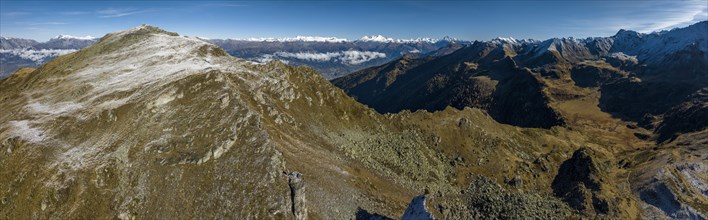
x=469, y=20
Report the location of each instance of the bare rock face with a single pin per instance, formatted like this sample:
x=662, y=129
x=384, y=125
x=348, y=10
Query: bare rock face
x=416, y=210
x=579, y=183
x=297, y=195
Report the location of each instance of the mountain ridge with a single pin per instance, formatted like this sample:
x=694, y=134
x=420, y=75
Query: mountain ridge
x=556, y=60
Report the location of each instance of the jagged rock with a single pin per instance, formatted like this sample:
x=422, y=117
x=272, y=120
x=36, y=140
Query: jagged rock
x=676, y=191
x=297, y=195
x=416, y=210
x=578, y=183
x=515, y=182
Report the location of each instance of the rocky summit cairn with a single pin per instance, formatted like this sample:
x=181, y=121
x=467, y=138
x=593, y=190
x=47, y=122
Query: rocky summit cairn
x=297, y=195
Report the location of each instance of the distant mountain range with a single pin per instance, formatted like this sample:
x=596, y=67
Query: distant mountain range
x=16, y=53
x=639, y=77
x=333, y=57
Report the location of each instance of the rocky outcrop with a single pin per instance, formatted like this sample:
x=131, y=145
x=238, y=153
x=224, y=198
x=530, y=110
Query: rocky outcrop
x=674, y=185
x=579, y=182
x=661, y=201
x=417, y=210
x=297, y=195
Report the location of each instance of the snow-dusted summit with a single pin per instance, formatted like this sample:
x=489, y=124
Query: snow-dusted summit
x=382, y=39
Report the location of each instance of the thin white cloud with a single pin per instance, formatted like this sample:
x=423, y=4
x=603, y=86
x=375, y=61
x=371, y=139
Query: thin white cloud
x=683, y=15
x=14, y=13
x=71, y=13
x=224, y=5
x=115, y=13
x=41, y=23
x=642, y=16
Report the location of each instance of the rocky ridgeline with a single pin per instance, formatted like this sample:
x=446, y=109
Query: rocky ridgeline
x=297, y=195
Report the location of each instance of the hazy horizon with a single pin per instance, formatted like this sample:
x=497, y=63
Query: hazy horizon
x=478, y=20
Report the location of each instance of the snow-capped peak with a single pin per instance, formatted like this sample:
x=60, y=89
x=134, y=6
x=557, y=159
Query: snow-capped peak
x=376, y=38
x=65, y=36
x=382, y=39
x=509, y=40
x=297, y=39
x=448, y=38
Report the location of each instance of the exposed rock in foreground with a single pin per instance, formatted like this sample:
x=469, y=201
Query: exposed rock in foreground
x=672, y=181
x=417, y=210
x=579, y=182
x=297, y=195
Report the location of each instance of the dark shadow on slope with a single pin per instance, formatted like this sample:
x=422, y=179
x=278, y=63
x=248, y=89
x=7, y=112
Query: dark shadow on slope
x=477, y=76
x=635, y=100
x=362, y=214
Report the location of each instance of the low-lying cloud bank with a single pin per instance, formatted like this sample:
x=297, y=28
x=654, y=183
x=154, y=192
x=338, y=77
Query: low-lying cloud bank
x=37, y=55
x=350, y=57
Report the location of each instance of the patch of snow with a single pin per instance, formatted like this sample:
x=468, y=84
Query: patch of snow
x=691, y=173
x=23, y=130
x=624, y=57
x=165, y=98
x=509, y=40
x=54, y=109
x=159, y=58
